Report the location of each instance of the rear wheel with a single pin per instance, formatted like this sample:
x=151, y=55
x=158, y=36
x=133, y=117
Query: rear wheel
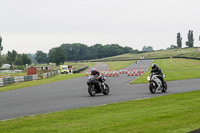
x=106, y=89
x=91, y=90
x=152, y=88
x=165, y=87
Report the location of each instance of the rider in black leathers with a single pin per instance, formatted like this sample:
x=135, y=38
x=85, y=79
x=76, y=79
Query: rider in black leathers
x=157, y=70
x=99, y=77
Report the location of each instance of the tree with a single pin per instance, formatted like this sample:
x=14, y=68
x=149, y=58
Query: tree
x=179, y=40
x=2, y=60
x=190, y=41
x=1, y=47
x=127, y=50
x=22, y=59
x=147, y=48
x=173, y=47
x=18, y=60
x=25, y=59
x=57, y=55
x=11, y=57
x=41, y=57
x=97, y=51
x=32, y=57
x=78, y=51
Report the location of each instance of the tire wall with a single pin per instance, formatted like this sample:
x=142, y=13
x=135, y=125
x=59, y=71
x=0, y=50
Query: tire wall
x=16, y=79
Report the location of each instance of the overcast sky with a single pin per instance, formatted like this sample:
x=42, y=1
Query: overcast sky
x=31, y=25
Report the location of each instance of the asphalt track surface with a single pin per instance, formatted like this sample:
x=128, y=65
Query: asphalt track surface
x=73, y=93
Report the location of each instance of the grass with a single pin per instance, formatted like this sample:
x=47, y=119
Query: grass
x=79, y=65
x=174, y=69
x=186, y=52
x=42, y=81
x=175, y=113
x=74, y=66
x=177, y=64
x=114, y=65
x=47, y=80
x=7, y=75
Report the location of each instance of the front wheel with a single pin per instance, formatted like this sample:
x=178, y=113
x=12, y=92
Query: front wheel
x=106, y=90
x=152, y=88
x=91, y=90
x=165, y=87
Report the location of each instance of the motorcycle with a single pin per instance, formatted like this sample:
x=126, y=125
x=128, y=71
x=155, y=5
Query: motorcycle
x=155, y=84
x=94, y=86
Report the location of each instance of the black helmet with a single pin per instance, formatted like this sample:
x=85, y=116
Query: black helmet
x=153, y=65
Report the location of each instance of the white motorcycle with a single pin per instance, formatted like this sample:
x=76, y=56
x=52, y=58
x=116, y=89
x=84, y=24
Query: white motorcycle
x=155, y=84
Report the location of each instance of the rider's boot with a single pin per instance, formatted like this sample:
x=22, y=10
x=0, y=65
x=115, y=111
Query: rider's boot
x=162, y=81
x=102, y=86
x=163, y=85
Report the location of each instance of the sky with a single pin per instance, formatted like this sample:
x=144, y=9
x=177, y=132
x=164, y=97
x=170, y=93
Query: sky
x=27, y=26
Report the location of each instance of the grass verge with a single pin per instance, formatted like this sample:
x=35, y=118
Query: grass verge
x=174, y=69
x=54, y=78
x=175, y=113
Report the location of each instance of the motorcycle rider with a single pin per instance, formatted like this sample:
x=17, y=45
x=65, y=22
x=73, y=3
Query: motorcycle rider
x=157, y=70
x=99, y=77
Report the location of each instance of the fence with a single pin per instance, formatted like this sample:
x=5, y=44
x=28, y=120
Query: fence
x=49, y=74
x=16, y=79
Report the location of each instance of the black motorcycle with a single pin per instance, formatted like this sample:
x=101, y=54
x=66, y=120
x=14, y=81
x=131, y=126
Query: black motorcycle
x=95, y=86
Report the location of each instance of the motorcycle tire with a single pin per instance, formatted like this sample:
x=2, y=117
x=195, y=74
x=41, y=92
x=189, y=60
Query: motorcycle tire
x=91, y=90
x=165, y=87
x=152, y=88
x=106, y=90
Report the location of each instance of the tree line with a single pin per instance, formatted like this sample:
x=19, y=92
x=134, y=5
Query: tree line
x=65, y=52
x=78, y=51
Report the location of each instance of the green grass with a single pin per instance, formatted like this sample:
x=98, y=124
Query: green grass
x=47, y=80
x=79, y=65
x=186, y=52
x=54, y=78
x=6, y=75
x=177, y=113
x=174, y=69
x=14, y=74
x=177, y=64
x=74, y=66
x=114, y=65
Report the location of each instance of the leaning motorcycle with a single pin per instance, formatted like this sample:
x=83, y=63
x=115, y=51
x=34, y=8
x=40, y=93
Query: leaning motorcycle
x=94, y=86
x=155, y=84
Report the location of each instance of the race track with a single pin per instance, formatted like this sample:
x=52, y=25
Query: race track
x=70, y=94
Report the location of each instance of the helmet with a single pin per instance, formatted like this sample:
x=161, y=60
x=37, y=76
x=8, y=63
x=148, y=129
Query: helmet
x=153, y=65
x=93, y=70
